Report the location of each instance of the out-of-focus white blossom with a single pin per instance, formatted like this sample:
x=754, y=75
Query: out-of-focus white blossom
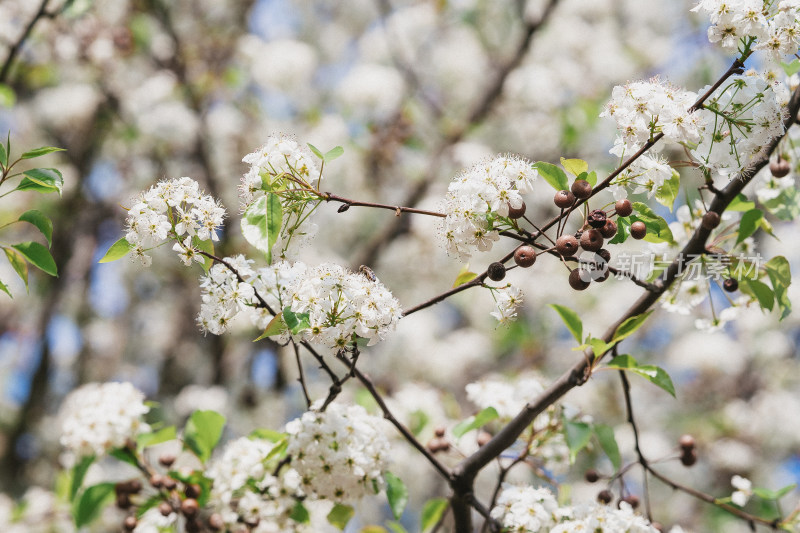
x=341, y=454
x=599, y=518
x=152, y=521
x=100, y=416
x=744, y=489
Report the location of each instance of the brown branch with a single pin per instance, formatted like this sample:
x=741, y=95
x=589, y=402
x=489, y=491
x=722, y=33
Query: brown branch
x=396, y=208
x=15, y=48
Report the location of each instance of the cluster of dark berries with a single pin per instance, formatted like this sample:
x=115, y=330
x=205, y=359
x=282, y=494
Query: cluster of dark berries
x=439, y=442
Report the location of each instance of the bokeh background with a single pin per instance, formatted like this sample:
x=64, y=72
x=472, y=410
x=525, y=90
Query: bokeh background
x=140, y=90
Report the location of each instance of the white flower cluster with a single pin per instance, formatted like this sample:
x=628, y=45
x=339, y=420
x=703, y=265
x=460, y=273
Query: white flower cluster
x=152, y=521
x=275, y=164
x=741, y=117
x=478, y=196
x=335, y=302
x=341, y=453
x=97, y=417
x=772, y=24
x=743, y=492
x=173, y=208
x=535, y=510
x=245, y=488
x=507, y=299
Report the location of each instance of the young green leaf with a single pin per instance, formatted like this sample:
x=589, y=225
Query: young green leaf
x=791, y=68
x=78, y=472
x=38, y=256
x=749, y=224
x=202, y=433
x=396, y=527
x=18, y=263
x=780, y=276
x=296, y=322
x=4, y=288
x=261, y=223
x=591, y=177
x=38, y=152
x=630, y=326
x=118, y=250
x=432, y=513
x=276, y=326
x=785, y=206
x=578, y=435
x=300, y=513
x=157, y=437
x=206, y=246
x=332, y=154
x=764, y=295
x=316, y=151
x=125, y=455
x=340, y=515
x=741, y=203
x=42, y=179
x=267, y=434
x=666, y=194
x=397, y=494
x=475, y=422
x=552, y=175
x=464, y=276
x=623, y=225
x=605, y=436
x=7, y=96
x=3, y=157
x=775, y=495
x=41, y=221
x=571, y=320
x=575, y=166
x=654, y=374
x=91, y=502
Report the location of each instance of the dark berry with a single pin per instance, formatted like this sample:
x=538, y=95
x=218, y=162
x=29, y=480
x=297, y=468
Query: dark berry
x=579, y=279
x=609, y=229
x=123, y=501
x=167, y=459
x=525, y=256
x=215, y=522
x=605, y=496
x=686, y=442
x=591, y=240
x=597, y=218
x=567, y=245
x=632, y=500
x=582, y=189
x=157, y=481
x=193, y=526
x=600, y=278
x=496, y=271
x=604, y=254
x=591, y=476
x=710, y=220
x=518, y=212
x=564, y=199
x=780, y=168
x=439, y=431
x=638, y=230
x=189, y=507
x=134, y=486
x=164, y=508
x=623, y=207
x=730, y=285
x=193, y=490
x=170, y=483
x=129, y=524
x=689, y=457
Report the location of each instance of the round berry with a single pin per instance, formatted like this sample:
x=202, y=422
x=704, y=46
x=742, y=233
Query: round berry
x=496, y=271
x=517, y=212
x=730, y=285
x=591, y=240
x=591, y=475
x=189, y=507
x=129, y=524
x=609, y=229
x=567, y=245
x=604, y=254
x=623, y=207
x=686, y=442
x=525, y=256
x=780, y=168
x=605, y=496
x=638, y=230
x=170, y=483
x=215, y=522
x=193, y=490
x=710, y=220
x=123, y=501
x=193, y=526
x=157, y=481
x=564, y=199
x=578, y=279
x=689, y=457
x=632, y=500
x=582, y=189
x=165, y=508
x=439, y=431
x=597, y=218
x=483, y=438
x=167, y=459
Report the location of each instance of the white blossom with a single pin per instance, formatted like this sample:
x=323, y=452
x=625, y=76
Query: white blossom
x=743, y=492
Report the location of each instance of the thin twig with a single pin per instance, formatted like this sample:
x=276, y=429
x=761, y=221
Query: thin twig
x=301, y=377
x=396, y=208
x=17, y=46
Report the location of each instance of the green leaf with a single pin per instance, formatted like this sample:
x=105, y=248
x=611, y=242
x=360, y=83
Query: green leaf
x=791, y=68
x=316, y=151
x=267, y=434
x=475, y=421
x=7, y=98
x=599, y=346
x=630, y=325
x=125, y=455
x=276, y=326
x=18, y=262
x=396, y=527
x=657, y=228
x=571, y=320
x=3, y=156
x=749, y=224
x=432, y=513
x=91, y=503
x=42, y=180
x=4, y=288
x=575, y=166
x=418, y=421
x=397, y=494
x=279, y=450
x=780, y=276
x=764, y=295
x=340, y=515
x=552, y=175
x=578, y=435
x=118, y=250
x=202, y=433
x=300, y=513
x=332, y=154
x=464, y=276
x=653, y=374
x=666, y=194
x=206, y=246
x=591, y=177
x=605, y=435
x=296, y=322
x=38, y=152
x=78, y=472
x=261, y=223
x=623, y=223
x=740, y=203
x=766, y=494
x=38, y=256
x=157, y=437
x=373, y=529
x=785, y=206
x=41, y=221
